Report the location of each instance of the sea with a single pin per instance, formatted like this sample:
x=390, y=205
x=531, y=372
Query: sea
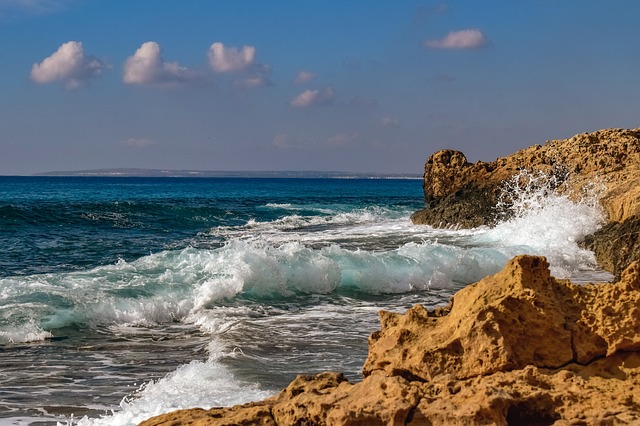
x=126, y=297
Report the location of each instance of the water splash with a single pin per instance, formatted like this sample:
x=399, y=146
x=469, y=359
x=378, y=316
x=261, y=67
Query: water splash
x=544, y=220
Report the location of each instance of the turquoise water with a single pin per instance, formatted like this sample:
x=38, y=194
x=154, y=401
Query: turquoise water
x=121, y=298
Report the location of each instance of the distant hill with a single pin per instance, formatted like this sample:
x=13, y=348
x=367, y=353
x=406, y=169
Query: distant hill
x=238, y=174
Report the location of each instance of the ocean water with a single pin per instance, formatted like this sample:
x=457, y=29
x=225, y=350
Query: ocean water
x=123, y=298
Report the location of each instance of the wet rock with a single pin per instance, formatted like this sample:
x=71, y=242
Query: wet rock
x=616, y=245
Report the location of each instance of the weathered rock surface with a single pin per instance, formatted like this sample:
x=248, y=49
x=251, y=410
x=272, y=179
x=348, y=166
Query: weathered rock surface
x=461, y=194
x=616, y=244
x=519, y=347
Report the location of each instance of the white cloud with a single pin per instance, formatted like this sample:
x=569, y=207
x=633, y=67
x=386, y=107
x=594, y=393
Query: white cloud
x=147, y=66
x=316, y=97
x=69, y=65
x=230, y=59
x=464, y=39
x=139, y=142
x=241, y=62
x=304, y=77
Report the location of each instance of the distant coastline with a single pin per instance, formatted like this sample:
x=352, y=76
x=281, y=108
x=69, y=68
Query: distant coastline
x=304, y=174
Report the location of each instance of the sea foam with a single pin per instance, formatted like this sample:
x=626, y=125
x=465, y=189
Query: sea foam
x=196, y=384
x=369, y=251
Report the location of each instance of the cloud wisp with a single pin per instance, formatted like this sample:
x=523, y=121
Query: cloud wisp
x=389, y=122
x=68, y=65
x=342, y=138
x=425, y=13
x=311, y=98
x=464, y=39
x=30, y=7
x=304, y=77
x=147, y=66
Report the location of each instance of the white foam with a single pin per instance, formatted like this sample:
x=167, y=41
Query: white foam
x=194, y=385
x=368, y=250
x=23, y=333
x=333, y=220
x=546, y=223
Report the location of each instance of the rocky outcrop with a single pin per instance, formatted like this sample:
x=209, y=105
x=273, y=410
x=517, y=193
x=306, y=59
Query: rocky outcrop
x=461, y=194
x=519, y=347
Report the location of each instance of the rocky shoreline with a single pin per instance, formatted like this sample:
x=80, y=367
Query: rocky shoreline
x=517, y=348
x=607, y=162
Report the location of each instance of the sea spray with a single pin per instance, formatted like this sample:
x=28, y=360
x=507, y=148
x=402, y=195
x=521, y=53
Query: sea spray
x=544, y=221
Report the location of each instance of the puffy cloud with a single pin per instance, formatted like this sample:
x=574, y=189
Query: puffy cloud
x=316, y=97
x=69, y=65
x=241, y=62
x=230, y=59
x=304, y=77
x=464, y=39
x=147, y=66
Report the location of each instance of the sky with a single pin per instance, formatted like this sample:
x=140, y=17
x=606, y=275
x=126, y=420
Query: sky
x=348, y=85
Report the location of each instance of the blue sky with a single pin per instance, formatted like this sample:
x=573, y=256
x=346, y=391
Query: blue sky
x=352, y=85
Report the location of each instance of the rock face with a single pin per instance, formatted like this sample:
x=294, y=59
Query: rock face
x=461, y=194
x=616, y=245
x=519, y=347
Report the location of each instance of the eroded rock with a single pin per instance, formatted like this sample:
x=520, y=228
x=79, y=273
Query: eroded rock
x=610, y=157
x=607, y=162
x=519, y=347
x=535, y=319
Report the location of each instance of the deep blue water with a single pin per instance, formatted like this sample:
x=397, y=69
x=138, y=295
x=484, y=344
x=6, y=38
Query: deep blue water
x=54, y=224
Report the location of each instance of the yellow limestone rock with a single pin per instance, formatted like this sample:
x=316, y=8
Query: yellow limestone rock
x=610, y=157
x=520, y=316
x=517, y=348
